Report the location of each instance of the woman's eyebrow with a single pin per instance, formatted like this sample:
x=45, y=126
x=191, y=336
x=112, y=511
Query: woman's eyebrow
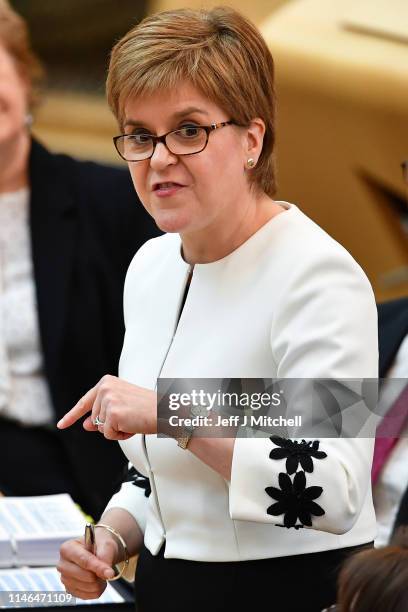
x=189, y=111
x=178, y=115
x=132, y=122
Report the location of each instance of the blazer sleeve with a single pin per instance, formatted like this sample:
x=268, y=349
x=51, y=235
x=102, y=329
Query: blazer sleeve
x=133, y=496
x=325, y=326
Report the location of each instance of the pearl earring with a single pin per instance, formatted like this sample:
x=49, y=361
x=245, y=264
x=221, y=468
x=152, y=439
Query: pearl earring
x=28, y=120
x=250, y=162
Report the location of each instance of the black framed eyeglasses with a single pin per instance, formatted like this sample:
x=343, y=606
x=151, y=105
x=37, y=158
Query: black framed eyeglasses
x=187, y=140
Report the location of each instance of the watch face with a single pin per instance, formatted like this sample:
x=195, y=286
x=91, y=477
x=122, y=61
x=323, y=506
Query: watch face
x=199, y=411
x=183, y=441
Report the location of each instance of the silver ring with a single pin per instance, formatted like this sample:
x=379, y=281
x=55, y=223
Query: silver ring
x=98, y=422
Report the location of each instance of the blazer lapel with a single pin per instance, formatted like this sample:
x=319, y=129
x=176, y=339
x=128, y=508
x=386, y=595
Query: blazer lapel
x=53, y=237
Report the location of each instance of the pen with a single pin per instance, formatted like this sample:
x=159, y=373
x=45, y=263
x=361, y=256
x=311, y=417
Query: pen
x=89, y=537
x=89, y=540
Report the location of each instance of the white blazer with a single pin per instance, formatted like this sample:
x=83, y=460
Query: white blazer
x=289, y=302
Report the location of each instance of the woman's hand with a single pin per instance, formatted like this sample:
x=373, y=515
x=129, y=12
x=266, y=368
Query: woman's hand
x=84, y=574
x=122, y=408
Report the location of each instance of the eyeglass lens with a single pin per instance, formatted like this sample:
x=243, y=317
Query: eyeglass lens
x=187, y=140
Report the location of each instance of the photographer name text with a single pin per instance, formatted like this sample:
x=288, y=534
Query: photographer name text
x=235, y=421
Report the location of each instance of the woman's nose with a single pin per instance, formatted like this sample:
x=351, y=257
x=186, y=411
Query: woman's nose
x=162, y=157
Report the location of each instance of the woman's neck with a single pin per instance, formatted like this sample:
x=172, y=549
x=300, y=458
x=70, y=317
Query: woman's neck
x=14, y=165
x=219, y=241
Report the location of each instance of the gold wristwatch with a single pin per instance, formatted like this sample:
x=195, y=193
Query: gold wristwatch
x=187, y=430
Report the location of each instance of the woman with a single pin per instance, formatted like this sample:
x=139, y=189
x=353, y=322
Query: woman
x=68, y=231
x=240, y=286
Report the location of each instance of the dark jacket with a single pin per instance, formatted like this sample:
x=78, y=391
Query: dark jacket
x=393, y=327
x=86, y=224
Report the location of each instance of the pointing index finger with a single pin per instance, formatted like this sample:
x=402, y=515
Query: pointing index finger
x=80, y=409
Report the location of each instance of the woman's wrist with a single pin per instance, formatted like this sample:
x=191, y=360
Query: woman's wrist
x=120, y=541
x=125, y=524
x=103, y=537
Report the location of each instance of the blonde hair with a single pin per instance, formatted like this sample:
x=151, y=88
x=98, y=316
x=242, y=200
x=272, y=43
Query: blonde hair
x=15, y=38
x=218, y=51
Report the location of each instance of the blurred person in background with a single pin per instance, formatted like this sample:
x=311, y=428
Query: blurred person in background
x=240, y=286
x=390, y=464
x=68, y=231
x=377, y=581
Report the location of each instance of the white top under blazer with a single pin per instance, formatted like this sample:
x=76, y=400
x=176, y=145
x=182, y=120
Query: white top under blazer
x=290, y=302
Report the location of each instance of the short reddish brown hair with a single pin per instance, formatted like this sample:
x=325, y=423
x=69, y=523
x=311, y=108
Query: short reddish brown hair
x=15, y=38
x=218, y=51
x=375, y=581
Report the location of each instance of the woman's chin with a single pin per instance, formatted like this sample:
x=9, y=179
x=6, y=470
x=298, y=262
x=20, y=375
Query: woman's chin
x=171, y=222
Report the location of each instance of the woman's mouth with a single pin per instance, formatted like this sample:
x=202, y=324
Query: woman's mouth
x=167, y=189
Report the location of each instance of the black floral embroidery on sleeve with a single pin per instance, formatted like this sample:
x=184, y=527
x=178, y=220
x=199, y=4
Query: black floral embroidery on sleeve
x=138, y=480
x=295, y=500
x=296, y=453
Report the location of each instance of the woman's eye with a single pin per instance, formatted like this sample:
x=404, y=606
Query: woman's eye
x=189, y=131
x=141, y=138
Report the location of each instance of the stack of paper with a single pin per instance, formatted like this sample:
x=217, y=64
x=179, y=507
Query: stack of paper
x=46, y=580
x=6, y=548
x=32, y=529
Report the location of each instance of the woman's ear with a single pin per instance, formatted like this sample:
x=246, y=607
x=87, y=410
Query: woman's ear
x=254, y=139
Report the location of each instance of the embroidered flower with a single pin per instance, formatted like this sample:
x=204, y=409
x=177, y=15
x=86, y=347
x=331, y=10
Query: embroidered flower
x=295, y=453
x=295, y=500
x=139, y=480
